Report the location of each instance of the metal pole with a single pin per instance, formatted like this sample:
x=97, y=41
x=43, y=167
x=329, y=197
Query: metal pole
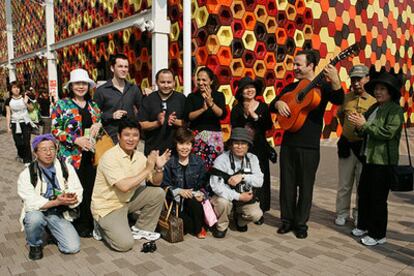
x=187, y=46
x=10, y=45
x=160, y=35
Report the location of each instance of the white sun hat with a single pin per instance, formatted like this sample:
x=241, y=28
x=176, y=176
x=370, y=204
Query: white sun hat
x=79, y=75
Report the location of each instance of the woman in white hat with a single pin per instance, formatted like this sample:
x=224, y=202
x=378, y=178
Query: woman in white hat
x=76, y=120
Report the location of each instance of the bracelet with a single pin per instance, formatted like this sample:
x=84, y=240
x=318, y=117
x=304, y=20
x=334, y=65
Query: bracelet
x=159, y=170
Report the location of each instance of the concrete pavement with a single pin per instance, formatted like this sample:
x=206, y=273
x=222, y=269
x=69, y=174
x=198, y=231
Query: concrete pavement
x=329, y=249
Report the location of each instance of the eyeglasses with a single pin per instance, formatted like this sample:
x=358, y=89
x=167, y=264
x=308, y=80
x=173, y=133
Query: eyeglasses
x=44, y=150
x=149, y=247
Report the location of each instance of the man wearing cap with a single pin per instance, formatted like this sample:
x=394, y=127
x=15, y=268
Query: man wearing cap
x=234, y=175
x=50, y=189
x=117, y=98
x=349, y=144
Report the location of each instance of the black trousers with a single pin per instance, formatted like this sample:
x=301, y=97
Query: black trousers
x=373, y=190
x=263, y=193
x=22, y=141
x=298, y=168
x=86, y=174
x=192, y=215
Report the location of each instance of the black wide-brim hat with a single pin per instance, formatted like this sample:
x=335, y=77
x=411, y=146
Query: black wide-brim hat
x=391, y=82
x=245, y=82
x=241, y=134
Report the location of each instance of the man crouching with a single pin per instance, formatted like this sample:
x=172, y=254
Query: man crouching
x=234, y=175
x=50, y=189
x=120, y=189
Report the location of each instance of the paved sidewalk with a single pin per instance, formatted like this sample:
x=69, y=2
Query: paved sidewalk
x=329, y=249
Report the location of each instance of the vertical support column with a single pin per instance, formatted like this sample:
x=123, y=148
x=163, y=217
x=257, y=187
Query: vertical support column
x=10, y=44
x=50, y=39
x=160, y=35
x=187, y=46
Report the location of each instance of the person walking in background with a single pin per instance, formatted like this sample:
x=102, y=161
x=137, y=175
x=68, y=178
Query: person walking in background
x=76, y=121
x=204, y=109
x=18, y=121
x=161, y=113
x=44, y=105
x=118, y=98
x=381, y=128
x=349, y=144
x=184, y=176
x=255, y=116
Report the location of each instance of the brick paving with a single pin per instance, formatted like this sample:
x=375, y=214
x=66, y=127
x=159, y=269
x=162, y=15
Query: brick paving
x=329, y=249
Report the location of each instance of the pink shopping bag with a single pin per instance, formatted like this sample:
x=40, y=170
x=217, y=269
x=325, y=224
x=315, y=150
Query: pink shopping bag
x=210, y=217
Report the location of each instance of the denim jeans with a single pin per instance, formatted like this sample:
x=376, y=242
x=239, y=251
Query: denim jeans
x=35, y=223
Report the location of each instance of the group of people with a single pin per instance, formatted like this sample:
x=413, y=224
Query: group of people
x=185, y=160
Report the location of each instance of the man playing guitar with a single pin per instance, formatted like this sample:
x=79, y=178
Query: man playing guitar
x=299, y=155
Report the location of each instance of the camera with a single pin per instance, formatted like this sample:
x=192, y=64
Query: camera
x=243, y=187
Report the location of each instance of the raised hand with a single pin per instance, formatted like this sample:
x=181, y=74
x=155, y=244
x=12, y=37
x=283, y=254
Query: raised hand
x=161, y=160
x=84, y=142
x=172, y=118
x=161, y=117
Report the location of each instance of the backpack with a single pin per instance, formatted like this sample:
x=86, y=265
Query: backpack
x=35, y=171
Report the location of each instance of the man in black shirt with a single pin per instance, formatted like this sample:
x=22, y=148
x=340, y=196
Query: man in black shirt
x=117, y=98
x=299, y=154
x=161, y=113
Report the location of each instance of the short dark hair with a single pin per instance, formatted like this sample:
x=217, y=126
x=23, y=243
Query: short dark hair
x=210, y=74
x=127, y=123
x=312, y=56
x=72, y=95
x=163, y=71
x=113, y=58
x=184, y=135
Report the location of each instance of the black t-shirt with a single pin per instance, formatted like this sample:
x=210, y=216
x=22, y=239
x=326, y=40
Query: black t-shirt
x=44, y=106
x=310, y=133
x=208, y=120
x=161, y=138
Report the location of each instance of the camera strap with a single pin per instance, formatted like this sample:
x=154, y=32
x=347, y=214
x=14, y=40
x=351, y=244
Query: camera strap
x=245, y=169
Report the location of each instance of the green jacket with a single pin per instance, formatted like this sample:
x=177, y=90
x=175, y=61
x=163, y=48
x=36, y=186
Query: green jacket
x=384, y=130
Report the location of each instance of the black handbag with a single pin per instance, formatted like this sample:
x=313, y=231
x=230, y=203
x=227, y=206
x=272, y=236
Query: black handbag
x=402, y=176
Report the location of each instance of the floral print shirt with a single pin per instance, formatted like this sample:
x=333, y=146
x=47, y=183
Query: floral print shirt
x=67, y=126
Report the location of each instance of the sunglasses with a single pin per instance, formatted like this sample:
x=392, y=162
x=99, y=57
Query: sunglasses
x=149, y=247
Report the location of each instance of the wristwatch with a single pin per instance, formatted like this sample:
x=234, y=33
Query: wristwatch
x=159, y=170
x=243, y=176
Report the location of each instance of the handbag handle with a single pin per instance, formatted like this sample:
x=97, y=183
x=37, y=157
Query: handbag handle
x=406, y=140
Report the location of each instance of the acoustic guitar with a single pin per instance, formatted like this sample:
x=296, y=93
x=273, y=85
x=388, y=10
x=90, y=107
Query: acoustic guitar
x=306, y=96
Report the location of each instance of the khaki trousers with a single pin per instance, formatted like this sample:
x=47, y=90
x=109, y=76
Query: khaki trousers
x=115, y=228
x=245, y=212
x=349, y=172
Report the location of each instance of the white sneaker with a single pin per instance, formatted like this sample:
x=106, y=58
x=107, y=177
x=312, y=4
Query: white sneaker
x=96, y=235
x=368, y=241
x=138, y=234
x=358, y=232
x=340, y=220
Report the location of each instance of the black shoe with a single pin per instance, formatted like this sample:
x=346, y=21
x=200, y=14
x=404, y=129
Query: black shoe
x=35, y=253
x=239, y=228
x=85, y=234
x=219, y=234
x=301, y=234
x=260, y=221
x=285, y=228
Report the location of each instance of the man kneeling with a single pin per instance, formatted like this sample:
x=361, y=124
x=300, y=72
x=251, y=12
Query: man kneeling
x=234, y=175
x=50, y=189
x=120, y=189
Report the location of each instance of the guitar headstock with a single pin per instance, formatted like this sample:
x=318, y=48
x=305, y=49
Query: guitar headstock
x=350, y=51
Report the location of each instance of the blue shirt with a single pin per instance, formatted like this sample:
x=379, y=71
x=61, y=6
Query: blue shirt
x=49, y=176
